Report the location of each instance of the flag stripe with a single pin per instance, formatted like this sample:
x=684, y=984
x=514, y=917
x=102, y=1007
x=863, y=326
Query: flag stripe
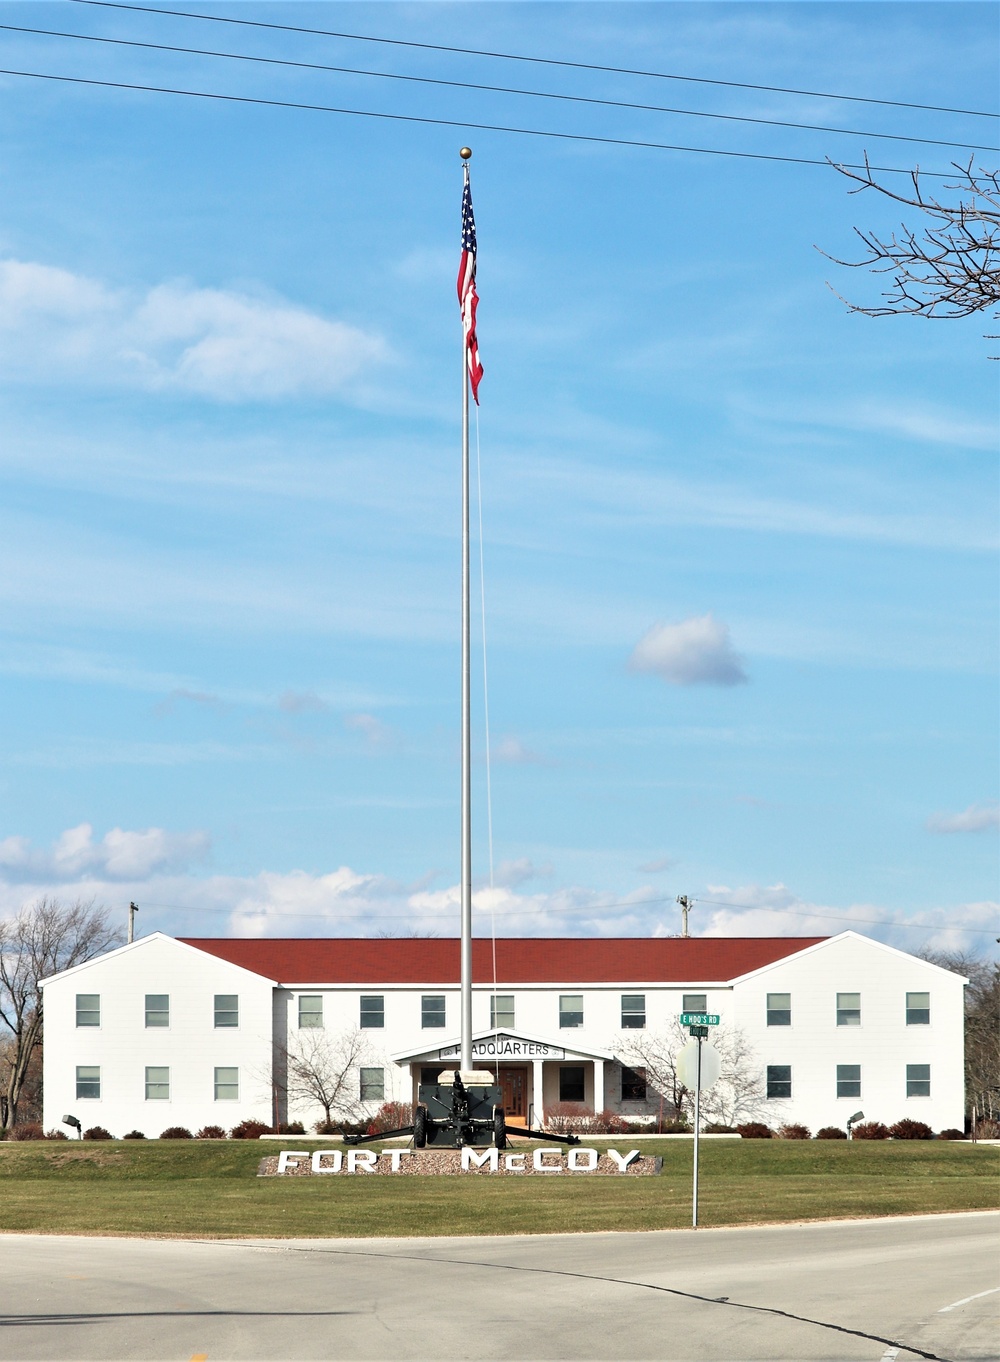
x=468, y=298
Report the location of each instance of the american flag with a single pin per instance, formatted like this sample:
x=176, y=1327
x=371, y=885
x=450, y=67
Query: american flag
x=468, y=298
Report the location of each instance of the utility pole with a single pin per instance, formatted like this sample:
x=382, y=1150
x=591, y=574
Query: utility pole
x=687, y=904
x=133, y=908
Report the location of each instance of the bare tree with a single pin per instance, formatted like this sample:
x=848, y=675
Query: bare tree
x=737, y=1095
x=323, y=1069
x=982, y=1026
x=950, y=267
x=45, y=938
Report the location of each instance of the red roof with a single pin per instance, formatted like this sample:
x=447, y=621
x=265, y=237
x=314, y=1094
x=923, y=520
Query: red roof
x=521, y=960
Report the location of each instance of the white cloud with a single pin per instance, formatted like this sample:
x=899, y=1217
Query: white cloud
x=119, y=855
x=375, y=733
x=976, y=818
x=223, y=344
x=513, y=752
x=658, y=866
x=696, y=652
x=302, y=702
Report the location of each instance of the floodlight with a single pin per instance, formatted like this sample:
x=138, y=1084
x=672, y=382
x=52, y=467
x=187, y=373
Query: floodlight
x=858, y=1116
x=74, y=1123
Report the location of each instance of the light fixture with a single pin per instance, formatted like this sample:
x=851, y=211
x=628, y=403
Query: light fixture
x=74, y=1123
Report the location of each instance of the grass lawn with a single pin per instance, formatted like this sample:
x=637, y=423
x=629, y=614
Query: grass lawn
x=206, y=1187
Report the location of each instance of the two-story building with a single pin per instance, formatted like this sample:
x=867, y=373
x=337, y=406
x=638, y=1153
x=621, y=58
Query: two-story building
x=193, y=1032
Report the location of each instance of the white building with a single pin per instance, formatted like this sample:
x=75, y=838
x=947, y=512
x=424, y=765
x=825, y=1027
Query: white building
x=167, y=1032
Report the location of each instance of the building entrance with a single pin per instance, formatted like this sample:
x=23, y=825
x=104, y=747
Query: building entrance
x=513, y=1086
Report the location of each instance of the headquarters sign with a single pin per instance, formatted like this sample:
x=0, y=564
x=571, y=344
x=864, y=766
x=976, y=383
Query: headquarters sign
x=506, y=1047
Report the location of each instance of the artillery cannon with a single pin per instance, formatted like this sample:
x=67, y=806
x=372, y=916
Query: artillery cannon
x=462, y=1108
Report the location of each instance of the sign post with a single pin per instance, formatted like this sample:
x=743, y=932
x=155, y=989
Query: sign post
x=697, y=1069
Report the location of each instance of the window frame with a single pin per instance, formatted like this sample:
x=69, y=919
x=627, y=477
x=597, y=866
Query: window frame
x=688, y=1001
x=924, y=1017
x=430, y=1011
x=157, y=1083
x=219, y=1011
x=565, y=1069
x=497, y=1012
x=81, y=1081
x=779, y=1089
x=364, y=1084
x=844, y=1082
x=80, y=1012
x=310, y=1012
x=637, y=1082
x=633, y=1011
x=156, y=1012
x=566, y=1013
x=912, y=1081
x=848, y=1016
x=370, y=1007
x=773, y=1012
x=224, y=1083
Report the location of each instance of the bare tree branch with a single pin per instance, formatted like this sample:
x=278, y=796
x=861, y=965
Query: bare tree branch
x=948, y=268
x=737, y=1095
x=324, y=1070
x=45, y=938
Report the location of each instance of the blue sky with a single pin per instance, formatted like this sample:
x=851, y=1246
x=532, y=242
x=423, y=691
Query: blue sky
x=739, y=543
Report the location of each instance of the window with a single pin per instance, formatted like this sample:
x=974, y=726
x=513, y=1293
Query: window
x=157, y=1009
x=502, y=1010
x=918, y=1080
x=779, y=1080
x=373, y=1085
x=432, y=1010
x=848, y=1009
x=633, y=1085
x=310, y=1010
x=694, y=1002
x=88, y=1080
x=848, y=1080
x=779, y=1009
x=227, y=1085
x=571, y=1014
x=227, y=1009
x=571, y=1083
x=157, y=1085
x=372, y=1012
x=88, y=1009
x=633, y=1011
x=918, y=1009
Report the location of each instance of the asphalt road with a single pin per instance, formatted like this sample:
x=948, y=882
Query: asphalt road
x=880, y=1290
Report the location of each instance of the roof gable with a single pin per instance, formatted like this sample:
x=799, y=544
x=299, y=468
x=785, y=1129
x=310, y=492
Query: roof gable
x=520, y=960
x=142, y=943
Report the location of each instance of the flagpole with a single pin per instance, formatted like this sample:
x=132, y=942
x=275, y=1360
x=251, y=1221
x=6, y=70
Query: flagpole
x=466, y=963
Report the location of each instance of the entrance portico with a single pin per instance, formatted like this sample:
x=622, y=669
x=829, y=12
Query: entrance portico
x=534, y=1072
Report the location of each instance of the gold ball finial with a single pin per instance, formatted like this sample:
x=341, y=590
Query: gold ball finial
x=465, y=153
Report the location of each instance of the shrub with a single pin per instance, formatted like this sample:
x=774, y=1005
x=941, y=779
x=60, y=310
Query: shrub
x=56, y=1134
x=390, y=1116
x=953, y=1134
x=176, y=1133
x=987, y=1129
x=870, y=1130
x=211, y=1133
x=31, y=1130
x=714, y=1128
x=572, y=1118
x=134, y=1135
x=250, y=1130
x=910, y=1130
x=97, y=1133
x=831, y=1133
x=293, y=1128
x=754, y=1130
x=668, y=1128
x=794, y=1132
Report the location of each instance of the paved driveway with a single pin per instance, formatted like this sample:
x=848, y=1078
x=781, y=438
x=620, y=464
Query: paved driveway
x=925, y=1287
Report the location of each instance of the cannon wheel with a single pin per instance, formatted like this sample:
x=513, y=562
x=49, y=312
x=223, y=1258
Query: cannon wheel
x=499, y=1128
x=420, y=1128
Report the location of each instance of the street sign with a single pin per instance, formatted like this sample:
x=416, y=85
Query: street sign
x=701, y=1031
x=687, y=1065
x=699, y=1019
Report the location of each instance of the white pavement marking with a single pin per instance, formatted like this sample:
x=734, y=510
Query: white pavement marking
x=889, y=1355
x=965, y=1300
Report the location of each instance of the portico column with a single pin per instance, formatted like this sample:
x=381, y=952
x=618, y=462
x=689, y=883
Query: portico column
x=598, y=1085
x=537, y=1090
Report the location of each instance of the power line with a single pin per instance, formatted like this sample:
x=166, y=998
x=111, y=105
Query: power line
x=540, y=61
x=494, y=89
x=465, y=124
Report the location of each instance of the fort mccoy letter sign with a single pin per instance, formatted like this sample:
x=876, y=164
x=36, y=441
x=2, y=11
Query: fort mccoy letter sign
x=502, y=1162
